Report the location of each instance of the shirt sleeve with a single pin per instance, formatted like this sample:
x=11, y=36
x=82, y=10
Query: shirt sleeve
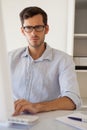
x=68, y=81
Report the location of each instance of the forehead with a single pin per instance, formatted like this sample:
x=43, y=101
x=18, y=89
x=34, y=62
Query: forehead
x=35, y=20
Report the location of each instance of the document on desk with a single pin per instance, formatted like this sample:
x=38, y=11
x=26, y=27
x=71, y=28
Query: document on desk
x=79, y=121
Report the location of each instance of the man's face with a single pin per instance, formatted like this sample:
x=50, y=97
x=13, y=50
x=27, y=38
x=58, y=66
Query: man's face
x=35, y=37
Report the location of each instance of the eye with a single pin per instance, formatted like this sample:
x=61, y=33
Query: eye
x=28, y=28
x=39, y=27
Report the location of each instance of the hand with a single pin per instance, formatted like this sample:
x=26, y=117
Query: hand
x=23, y=105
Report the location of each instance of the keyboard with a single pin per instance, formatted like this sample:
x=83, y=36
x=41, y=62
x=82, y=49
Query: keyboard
x=23, y=119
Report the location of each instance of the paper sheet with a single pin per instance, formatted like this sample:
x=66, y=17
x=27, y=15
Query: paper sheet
x=77, y=124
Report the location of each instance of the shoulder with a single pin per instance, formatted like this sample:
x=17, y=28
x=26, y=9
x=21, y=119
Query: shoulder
x=62, y=58
x=55, y=51
x=17, y=52
x=60, y=54
x=15, y=56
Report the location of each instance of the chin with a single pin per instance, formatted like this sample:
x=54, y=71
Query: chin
x=35, y=46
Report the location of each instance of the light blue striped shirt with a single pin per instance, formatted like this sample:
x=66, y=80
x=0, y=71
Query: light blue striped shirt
x=47, y=78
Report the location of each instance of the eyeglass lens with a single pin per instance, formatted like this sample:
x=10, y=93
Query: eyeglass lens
x=37, y=28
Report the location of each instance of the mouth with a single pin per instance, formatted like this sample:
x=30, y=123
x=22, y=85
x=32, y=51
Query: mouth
x=34, y=38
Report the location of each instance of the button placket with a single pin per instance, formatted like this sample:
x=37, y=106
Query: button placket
x=29, y=77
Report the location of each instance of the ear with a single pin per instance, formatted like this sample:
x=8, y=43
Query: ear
x=22, y=31
x=46, y=29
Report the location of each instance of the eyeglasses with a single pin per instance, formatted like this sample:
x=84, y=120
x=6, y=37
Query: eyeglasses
x=38, y=28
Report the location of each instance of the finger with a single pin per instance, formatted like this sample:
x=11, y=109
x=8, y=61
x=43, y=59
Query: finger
x=15, y=114
x=20, y=105
x=25, y=108
x=20, y=101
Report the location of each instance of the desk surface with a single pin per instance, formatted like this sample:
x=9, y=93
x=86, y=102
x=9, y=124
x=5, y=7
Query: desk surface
x=47, y=121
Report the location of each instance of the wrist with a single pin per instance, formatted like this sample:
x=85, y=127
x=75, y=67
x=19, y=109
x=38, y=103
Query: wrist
x=43, y=107
x=37, y=107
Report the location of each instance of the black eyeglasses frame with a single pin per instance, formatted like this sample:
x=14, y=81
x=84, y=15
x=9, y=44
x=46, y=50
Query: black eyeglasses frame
x=37, y=28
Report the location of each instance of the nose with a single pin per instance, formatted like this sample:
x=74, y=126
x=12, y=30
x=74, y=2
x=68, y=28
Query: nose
x=33, y=32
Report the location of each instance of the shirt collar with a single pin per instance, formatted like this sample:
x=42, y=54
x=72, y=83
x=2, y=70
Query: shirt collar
x=25, y=52
x=47, y=55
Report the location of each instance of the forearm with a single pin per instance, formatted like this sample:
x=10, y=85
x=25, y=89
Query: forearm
x=63, y=103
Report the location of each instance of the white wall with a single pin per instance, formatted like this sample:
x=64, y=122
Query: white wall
x=57, y=11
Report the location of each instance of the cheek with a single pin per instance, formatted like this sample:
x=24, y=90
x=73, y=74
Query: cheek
x=42, y=35
x=27, y=36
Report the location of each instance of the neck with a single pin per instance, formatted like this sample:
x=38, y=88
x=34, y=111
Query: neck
x=36, y=52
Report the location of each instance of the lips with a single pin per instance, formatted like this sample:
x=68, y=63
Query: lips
x=34, y=38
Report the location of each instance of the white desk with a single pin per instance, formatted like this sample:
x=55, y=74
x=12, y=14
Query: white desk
x=47, y=121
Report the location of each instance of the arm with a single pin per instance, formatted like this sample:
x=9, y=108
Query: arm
x=63, y=103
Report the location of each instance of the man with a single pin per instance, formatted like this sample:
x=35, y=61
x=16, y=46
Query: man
x=43, y=78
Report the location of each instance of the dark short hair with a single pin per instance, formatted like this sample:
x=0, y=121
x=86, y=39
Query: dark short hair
x=32, y=11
